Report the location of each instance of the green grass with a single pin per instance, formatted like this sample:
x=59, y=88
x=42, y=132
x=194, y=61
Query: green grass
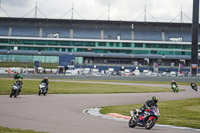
x=13, y=130
x=123, y=81
x=142, y=82
x=150, y=82
x=184, y=113
x=31, y=87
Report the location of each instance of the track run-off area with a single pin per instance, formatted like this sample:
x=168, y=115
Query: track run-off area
x=63, y=113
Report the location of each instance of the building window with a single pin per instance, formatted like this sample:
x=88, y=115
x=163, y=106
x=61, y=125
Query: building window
x=126, y=45
x=102, y=44
x=89, y=44
x=139, y=45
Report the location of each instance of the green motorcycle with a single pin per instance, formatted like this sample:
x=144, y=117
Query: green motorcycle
x=174, y=88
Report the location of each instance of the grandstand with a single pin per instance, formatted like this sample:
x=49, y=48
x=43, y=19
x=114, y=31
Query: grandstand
x=95, y=42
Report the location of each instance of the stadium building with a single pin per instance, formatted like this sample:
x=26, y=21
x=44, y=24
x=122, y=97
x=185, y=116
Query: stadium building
x=96, y=42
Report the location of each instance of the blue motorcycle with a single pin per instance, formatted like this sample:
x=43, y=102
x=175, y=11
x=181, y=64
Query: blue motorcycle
x=146, y=119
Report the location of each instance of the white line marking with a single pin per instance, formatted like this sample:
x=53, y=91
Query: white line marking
x=95, y=112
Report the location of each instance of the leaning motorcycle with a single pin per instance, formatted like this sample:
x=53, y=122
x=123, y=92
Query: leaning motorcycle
x=146, y=119
x=42, y=89
x=194, y=87
x=174, y=88
x=15, y=90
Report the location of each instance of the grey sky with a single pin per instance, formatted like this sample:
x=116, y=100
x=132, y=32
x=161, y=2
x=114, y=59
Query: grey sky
x=128, y=10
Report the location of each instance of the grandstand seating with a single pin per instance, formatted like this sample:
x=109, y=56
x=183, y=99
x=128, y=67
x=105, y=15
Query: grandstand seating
x=112, y=34
x=149, y=35
x=87, y=33
x=63, y=32
x=4, y=30
x=186, y=36
x=25, y=31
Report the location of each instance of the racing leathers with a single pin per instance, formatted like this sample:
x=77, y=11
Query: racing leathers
x=148, y=104
x=46, y=81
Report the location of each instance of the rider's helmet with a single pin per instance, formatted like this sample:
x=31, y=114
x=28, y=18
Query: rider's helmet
x=173, y=81
x=20, y=79
x=155, y=99
x=192, y=82
x=45, y=77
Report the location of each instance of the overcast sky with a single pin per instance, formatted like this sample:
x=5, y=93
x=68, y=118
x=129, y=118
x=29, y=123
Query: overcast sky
x=126, y=10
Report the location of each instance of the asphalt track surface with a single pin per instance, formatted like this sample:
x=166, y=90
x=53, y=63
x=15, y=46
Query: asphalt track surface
x=62, y=113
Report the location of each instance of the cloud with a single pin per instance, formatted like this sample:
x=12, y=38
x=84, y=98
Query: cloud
x=127, y=10
x=16, y=3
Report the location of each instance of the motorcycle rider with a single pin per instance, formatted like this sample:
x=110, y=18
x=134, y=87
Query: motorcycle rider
x=19, y=84
x=148, y=104
x=173, y=82
x=18, y=76
x=193, y=84
x=46, y=81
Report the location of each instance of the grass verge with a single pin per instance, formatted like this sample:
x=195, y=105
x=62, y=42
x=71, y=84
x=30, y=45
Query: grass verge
x=153, y=82
x=13, y=130
x=55, y=87
x=184, y=113
x=123, y=81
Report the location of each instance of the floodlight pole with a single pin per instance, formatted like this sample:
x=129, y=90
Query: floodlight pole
x=195, y=32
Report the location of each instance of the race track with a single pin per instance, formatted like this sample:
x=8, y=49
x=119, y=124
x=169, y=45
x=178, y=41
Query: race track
x=63, y=113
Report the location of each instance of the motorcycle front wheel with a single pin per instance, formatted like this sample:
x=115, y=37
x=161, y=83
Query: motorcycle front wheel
x=150, y=123
x=11, y=94
x=39, y=92
x=16, y=93
x=173, y=90
x=132, y=123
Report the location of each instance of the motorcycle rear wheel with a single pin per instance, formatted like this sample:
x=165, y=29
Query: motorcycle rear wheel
x=150, y=123
x=132, y=123
x=177, y=89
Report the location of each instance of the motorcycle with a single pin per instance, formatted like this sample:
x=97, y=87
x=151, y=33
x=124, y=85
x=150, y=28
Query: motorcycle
x=15, y=90
x=174, y=88
x=42, y=89
x=194, y=87
x=146, y=119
